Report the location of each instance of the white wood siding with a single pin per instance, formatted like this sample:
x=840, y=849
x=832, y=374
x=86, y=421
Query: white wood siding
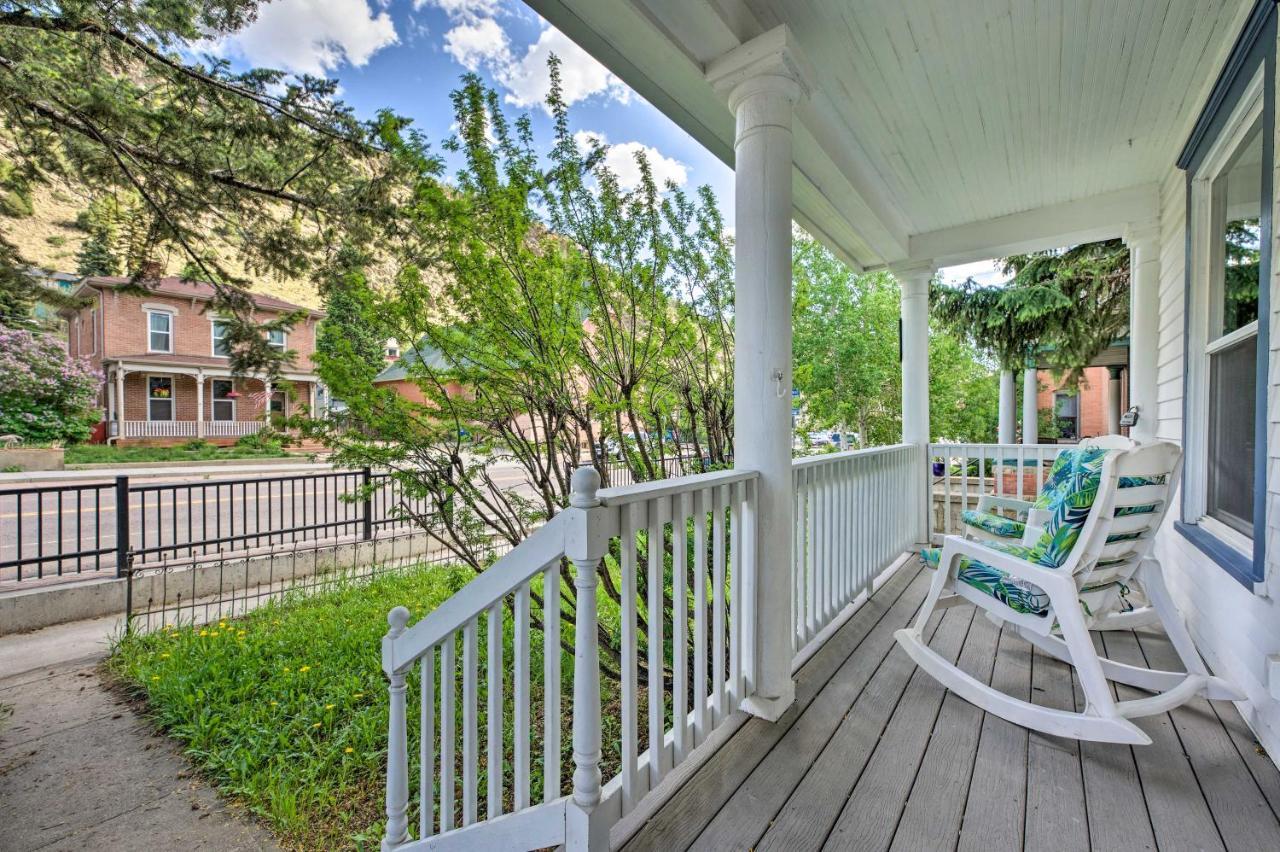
x=1234, y=628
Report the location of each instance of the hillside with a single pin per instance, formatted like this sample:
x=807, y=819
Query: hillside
x=50, y=239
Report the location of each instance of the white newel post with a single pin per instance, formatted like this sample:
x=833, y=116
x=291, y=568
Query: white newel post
x=200, y=404
x=1007, y=421
x=763, y=79
x=1030, y=409
x=1144, y=324
x=397, y=737
x=586, y=540
x=914, y=281
x=1113, y=400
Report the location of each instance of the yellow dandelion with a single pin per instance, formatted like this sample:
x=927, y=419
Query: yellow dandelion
x=316, y=725
x=155, y=677
x=164, y=656
x=329, y=706
x=286, y=668
x=222, y=624
x=275, y=703
x=204, y=632
x=348, y=750
x=358, y=695
x=304, y=668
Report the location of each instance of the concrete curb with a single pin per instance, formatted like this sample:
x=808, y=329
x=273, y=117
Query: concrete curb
x=159, y=589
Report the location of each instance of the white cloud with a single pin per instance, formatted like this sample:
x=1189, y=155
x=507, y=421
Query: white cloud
x=465, y=10
x=482, y=42
x=311, y=36
x=528, y=80
x=621, y=160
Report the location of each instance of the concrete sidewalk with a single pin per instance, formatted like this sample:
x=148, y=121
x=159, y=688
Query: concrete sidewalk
x=79, y=769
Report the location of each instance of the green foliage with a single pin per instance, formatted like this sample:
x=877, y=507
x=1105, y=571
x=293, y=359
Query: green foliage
x=964, y=393
x=190, y=451
x=1240, y=275
x=352, y=338
x=845, y=346
x=95, y=258
x=1062, y=306
x=106, y=96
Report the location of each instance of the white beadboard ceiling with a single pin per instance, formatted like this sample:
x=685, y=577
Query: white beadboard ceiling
x=940, y=127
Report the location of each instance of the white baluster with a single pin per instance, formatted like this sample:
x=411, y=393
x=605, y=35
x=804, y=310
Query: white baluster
x=397, y=831
x=700, y=509
x=680, y=625
x=520, y=783
x=494, y=748
x=426, y=744
x=658, y=511
x=448, y=742
x=469, y=723
x=551, y=682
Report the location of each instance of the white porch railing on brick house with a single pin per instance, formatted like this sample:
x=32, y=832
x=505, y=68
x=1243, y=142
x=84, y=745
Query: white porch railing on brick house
x=159, y=429
x=451, y=694
x=231, y=428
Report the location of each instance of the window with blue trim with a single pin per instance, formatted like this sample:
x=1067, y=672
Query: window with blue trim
x=1229, y=164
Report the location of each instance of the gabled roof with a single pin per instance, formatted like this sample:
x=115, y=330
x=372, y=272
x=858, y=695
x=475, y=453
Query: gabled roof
x=423, y=353
x=174, y=286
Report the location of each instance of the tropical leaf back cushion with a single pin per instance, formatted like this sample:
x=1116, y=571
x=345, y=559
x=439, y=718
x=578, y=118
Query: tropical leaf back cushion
x=993, y=523
x=1069, y=509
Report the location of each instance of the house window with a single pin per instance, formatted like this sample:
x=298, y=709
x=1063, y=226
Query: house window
x=276, y=339
x=1229, y=167
x=159, y=397
x=159, y=331
x=1066, y=408
x=224, y=401
x=393, y=349
x=221, y=348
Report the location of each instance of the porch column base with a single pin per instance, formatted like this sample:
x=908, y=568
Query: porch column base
x=770, y=709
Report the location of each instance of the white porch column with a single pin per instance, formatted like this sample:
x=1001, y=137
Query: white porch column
x=200, y=403
x=1113, y=400
x=763, y=81
x=1143, y=240
x=1030, y=409
x=1006, y=418
x=914, y=280
x=120, y=402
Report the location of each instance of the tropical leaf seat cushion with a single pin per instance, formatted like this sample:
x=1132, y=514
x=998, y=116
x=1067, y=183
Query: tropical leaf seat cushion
x=1073, y=498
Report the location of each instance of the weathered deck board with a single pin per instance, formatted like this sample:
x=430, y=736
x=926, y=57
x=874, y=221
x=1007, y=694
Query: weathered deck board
x=876, y=755
x=680, y=821
x=996, y=805
x=746, y=816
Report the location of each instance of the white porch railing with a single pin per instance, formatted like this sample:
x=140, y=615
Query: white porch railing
x=853, y=515
x=231, y=428
x=159, y=429
x=960, y=474
x=702, y=641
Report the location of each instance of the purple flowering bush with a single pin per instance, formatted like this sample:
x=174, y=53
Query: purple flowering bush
x=45, y=395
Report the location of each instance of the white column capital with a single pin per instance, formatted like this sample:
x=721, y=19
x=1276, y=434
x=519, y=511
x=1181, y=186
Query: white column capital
x=769, y=63
x=1142, y=235
x=914, y=276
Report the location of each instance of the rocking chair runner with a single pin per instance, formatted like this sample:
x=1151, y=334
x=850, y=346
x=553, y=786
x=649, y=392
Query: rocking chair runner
x=1098, y=537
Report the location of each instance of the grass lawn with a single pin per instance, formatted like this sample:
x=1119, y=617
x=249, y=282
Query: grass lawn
x=190, y=451
x=285, y=709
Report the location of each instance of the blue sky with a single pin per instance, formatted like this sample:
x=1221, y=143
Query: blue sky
x=407, y=55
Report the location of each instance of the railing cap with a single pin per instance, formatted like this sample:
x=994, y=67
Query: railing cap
x=584, y=488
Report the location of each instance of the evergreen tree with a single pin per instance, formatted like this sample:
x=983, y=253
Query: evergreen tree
x=95, y=258
x=352, y=336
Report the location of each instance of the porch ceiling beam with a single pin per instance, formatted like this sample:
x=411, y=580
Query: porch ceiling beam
x=1099, y=217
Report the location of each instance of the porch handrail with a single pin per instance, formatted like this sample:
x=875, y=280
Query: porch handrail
x=715, y=513
x=1015, y=471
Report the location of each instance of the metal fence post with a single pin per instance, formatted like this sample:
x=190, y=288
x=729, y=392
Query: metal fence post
x=366, y=526
x=122, y=526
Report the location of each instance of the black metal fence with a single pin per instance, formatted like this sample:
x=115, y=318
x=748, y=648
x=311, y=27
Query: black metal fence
x=52, y=531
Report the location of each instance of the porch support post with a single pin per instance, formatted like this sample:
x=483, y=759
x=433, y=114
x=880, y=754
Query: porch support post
x=1030, y=409
x=200, y=403
x=1113, y=400
x=120, y=406
x=1143, y=240
x=763, y=79
x=1007, y=427
x=914, y=282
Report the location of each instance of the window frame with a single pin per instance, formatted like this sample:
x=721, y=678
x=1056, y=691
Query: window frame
x=284, y=339
x=214, y=322
x=173, y=398
x=1243, y=98
x=168, y=314
x=214, y=400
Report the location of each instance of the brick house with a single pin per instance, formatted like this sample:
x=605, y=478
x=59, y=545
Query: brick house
x=167, y=373
x=1087, y=411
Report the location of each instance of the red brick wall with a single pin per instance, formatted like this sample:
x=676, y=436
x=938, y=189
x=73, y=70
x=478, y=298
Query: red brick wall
x=126, y=327
x=1093, y=398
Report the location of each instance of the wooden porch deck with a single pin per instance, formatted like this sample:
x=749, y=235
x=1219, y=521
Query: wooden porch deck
x=876, y=755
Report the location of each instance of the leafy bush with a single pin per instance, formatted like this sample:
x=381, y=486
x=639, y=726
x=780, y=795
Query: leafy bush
x=262, y=441
x=45, y=395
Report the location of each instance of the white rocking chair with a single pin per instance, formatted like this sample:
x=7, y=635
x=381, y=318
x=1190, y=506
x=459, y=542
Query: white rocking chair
x=1057, y=585
x=986, y=523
